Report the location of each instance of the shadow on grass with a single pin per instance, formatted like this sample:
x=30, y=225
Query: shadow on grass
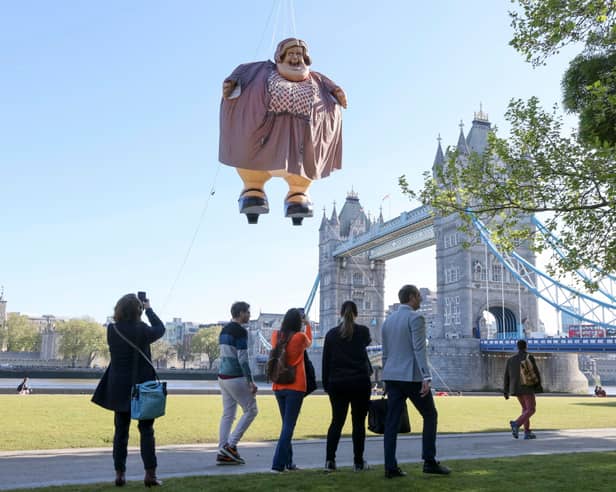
x=597, y=404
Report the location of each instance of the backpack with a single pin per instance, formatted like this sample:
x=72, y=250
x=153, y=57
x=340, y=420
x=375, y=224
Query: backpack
x=277, y=369
x=528, y=375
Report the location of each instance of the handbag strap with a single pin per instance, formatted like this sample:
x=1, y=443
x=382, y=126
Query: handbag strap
x=137, y=349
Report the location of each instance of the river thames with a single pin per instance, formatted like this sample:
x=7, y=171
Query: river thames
x=85, y=386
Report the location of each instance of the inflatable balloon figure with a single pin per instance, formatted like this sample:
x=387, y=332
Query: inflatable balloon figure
x=281, y=119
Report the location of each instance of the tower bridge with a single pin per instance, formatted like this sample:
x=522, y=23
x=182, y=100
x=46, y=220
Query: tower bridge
x=471, y=282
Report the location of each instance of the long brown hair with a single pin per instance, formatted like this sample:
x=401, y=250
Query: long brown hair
x=291, y=324
x=348, y=311
x=128, y=308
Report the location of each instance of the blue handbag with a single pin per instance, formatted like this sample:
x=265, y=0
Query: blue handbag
x=148, y=399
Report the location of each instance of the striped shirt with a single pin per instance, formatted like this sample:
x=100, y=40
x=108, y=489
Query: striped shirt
x=233, y=342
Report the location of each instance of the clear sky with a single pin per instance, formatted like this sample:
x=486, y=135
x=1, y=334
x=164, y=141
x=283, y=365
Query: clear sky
x=109, y=141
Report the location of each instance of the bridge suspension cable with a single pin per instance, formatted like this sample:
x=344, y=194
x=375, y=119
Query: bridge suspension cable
x=564, y=298
x=606, y=284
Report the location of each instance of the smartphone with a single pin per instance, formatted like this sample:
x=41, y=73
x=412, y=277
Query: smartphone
x=301, y=312
x=142, y=296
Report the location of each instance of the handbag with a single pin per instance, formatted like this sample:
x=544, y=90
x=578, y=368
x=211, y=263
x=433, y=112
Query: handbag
x=377, y=413
x=148, y=399
x=311, y=377
x=278, y=371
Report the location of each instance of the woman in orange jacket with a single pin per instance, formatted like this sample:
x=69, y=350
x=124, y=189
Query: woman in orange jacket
x=290, y=396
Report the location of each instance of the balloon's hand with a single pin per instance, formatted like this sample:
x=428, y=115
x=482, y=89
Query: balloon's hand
x=340, y=96
x=227, y=88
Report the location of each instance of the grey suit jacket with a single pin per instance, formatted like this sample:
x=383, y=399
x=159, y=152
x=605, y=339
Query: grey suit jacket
x=404, y=346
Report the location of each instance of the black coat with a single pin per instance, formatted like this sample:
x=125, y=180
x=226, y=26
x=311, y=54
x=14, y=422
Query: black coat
x=346, y=360
x=127, y=366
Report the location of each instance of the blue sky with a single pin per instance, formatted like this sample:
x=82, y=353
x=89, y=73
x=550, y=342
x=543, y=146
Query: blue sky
x=109, y=141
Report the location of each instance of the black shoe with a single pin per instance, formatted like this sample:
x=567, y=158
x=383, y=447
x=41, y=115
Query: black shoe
x=330, y=466
x=435, y=468
x=253, y=204
x=395, y=472
x=120, y=480
x=298, y=209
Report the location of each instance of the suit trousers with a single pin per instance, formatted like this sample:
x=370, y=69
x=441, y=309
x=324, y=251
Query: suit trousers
x=397, y=393
x=120, y=441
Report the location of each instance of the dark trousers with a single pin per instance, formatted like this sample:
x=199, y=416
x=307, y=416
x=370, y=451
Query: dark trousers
x=120, y=441
x=289, y=404
x=340, y=397
x=397, y=393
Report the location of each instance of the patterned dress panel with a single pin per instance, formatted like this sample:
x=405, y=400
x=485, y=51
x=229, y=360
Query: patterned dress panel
x=294, y=98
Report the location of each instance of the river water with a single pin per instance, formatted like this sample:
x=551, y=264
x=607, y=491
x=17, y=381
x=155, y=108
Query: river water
x=73, y=385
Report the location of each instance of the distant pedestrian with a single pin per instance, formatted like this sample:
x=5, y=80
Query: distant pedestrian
x=525, y=393
x=406, y=374
x=236, y=385
x=290, y=396
x=24, y=387
x=346, y=379
x=126, y=368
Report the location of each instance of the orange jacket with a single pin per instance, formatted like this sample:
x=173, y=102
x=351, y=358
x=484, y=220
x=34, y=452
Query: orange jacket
x=299, y=342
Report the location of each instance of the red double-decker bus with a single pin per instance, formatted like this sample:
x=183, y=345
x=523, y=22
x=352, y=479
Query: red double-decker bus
x=586, y=331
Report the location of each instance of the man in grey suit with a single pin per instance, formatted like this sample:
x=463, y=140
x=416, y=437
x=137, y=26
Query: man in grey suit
x=407, y=375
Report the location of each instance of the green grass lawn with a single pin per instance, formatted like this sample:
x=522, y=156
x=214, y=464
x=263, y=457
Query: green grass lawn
x=565, y=472
x=72, y=421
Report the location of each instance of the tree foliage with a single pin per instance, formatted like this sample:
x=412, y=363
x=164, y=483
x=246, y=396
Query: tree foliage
x=81, y=339
x=205, y=342
x=162, y=351
x=539, y=168
x=21, y=334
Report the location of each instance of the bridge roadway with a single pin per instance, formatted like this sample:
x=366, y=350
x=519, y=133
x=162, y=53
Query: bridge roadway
x=29, y=469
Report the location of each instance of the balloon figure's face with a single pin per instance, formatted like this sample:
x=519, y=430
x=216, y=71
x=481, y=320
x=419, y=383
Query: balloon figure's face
x=293, y=66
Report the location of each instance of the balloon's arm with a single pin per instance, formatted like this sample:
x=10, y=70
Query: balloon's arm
x=231, y=89
x=340, y=96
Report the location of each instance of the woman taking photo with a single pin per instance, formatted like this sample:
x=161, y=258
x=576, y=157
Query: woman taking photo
x=126, y=368
x=346, y=379
x=290, y=396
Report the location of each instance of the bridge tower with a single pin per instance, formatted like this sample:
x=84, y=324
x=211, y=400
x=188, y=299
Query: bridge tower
x=355, y=278
x=471, y=281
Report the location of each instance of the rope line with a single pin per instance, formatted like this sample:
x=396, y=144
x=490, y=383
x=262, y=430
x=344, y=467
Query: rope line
x=194, y=237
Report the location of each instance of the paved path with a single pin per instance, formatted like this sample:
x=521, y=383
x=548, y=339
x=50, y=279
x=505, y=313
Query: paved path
x=73, y=466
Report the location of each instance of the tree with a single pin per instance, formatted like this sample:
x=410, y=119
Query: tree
x=538, y=168
x=81, y=338
x=205, y=341
x=161, y=351
x=183, y=351
x=22, y=335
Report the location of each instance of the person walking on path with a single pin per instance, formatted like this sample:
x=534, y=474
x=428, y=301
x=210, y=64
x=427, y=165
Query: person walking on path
x=407, y=375
x=128, y=367
x=290, y=396
x=525, y=392
x=346, y=374
x=236, y=385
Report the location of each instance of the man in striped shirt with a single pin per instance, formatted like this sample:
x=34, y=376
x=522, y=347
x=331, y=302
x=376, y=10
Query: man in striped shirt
x=236, y=385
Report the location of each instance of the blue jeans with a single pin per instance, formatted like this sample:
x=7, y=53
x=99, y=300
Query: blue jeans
x=397, y=393
x=289, y=404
